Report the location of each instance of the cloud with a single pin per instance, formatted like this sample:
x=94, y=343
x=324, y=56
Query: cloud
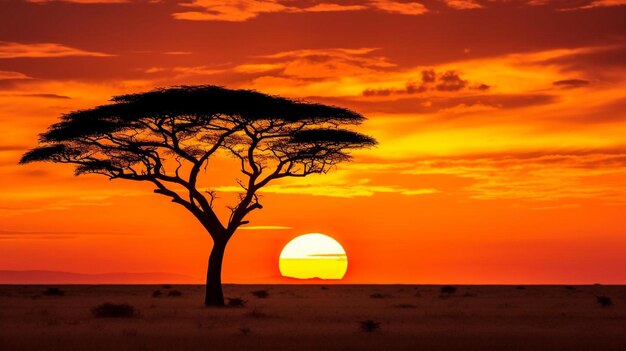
x=571, y=83
x=539, y=176
x=264, y=227
x=229, y=10
x=244, y=10
x=600, y=3
x=36, y=234
x=39, y=50
x=403, y=8
x=448, y=81
x=6, y=75
x=337, y=184
x=599, y=61
x=198, y=70
x=463, y=4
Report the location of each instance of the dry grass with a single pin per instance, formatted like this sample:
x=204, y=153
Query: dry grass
x=308, y=318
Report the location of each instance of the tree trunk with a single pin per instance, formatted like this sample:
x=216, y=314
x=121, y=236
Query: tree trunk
x=214, y=295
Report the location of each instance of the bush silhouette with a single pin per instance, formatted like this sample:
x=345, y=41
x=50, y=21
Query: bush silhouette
x=369, y=325
x=448, y=290
x=54, y=292
x=377, y=296
x=157, y=293
x=604, y=301
x=112, y=310
x=174, y=293
x=262, y=294
x=236, y=302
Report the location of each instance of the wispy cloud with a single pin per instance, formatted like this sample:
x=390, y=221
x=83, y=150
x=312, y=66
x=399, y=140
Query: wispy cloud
x=80, y=1
x=54, y=235
x=243, y=10
x=542, y=176
x=600, y=3
x=6, y=75
x=39, y=50
x=264, y=227
x=463, y=4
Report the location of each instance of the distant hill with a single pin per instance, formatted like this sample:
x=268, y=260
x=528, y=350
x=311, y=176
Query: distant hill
x=55, y=277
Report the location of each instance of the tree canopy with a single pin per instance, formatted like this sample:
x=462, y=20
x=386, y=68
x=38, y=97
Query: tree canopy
x=166, y=137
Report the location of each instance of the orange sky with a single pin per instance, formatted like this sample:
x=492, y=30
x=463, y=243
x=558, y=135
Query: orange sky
x=501, y=126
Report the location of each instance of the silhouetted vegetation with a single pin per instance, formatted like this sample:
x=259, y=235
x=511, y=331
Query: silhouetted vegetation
x=257, y=314
x=174, y=293
x=377, y=296
x=262, y=294
x=404, y=305
x=54, y=292
x=520, y=287
x=369, y=325
x=245, y=331
x=112, y=310
x=157, y=293
x=448, y=290
x=604, y=301
x=142, y=137
x=236, y=302
x=167, y=286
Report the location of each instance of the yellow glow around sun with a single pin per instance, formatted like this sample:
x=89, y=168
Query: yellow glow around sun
x=313, y=256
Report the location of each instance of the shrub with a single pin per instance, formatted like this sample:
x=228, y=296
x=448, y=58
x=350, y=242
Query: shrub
x=378, y=296
x=174, y=293
x=262, y=294
x=112, y=310
x=257, y=314
x=236, y=302
x=157, y=293
x=245, y=331
x=166, y=286
x=604, y=301
x=369, y=325
x=404, y=305
x=448, y=290
x=54, y=292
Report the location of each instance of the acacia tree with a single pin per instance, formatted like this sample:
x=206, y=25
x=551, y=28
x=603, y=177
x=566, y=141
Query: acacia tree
x=167, y=136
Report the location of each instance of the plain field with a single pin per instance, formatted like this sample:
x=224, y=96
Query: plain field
x=315, y=317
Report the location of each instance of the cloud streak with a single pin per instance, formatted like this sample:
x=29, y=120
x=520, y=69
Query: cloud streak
x=10, y=50
x=244, y=10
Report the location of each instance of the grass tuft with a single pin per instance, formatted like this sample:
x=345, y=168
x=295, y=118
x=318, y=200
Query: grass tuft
x=369, y=325
x=112, y=310
x=236, y=302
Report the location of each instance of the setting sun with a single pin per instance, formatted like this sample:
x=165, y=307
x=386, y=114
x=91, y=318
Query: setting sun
x=313, y=256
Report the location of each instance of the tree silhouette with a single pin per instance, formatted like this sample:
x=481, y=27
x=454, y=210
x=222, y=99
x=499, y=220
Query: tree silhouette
x=167, y=136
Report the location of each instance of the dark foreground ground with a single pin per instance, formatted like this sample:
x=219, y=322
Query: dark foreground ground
x=314, y=317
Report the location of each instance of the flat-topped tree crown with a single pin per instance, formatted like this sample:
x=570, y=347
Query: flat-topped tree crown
x=166, y=137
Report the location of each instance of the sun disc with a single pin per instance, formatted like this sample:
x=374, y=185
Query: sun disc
x=313, y=256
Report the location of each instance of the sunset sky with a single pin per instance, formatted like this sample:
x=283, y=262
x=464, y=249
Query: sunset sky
x=501, y=128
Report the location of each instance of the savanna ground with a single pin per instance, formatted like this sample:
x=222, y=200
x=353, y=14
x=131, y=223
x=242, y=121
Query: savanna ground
x=315, y=317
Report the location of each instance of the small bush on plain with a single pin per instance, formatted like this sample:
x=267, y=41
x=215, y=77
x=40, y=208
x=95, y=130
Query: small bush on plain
x=54, y=292
x=369, y=325
x=113, y=310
